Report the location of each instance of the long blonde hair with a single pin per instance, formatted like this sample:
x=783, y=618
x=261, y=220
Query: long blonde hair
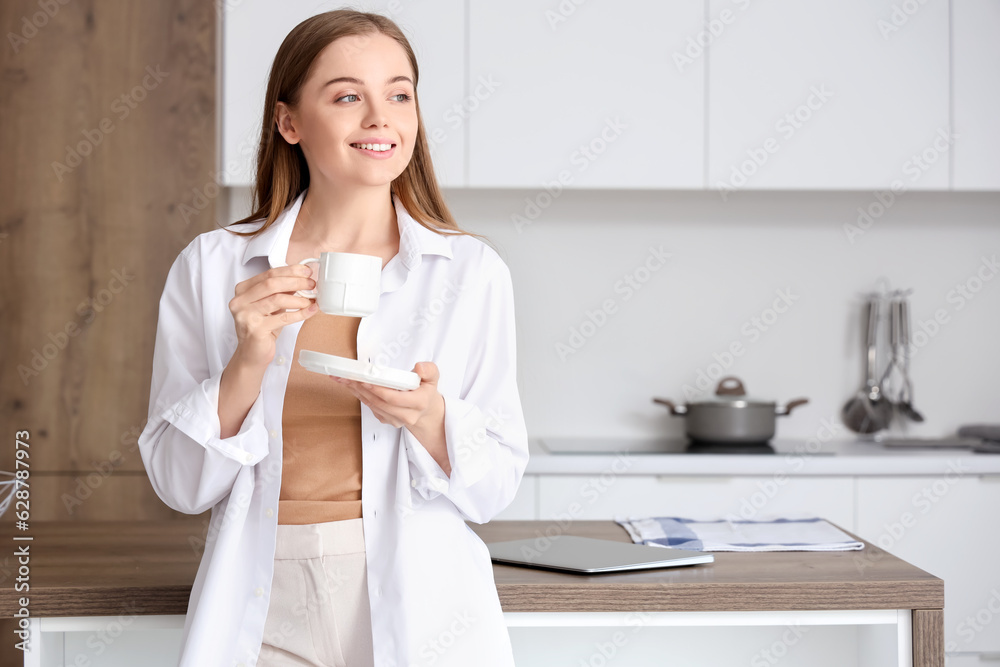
x=282, y=171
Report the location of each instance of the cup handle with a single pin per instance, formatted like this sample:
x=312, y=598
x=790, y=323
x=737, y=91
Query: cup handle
x=308, y=293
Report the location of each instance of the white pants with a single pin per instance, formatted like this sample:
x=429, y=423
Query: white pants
x=319, y=614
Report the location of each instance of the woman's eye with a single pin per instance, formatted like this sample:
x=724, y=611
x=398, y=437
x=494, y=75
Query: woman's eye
x=405, y=97
x=346, y=96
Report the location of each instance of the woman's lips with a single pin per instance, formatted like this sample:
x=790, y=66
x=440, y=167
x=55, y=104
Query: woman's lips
x=378, y=155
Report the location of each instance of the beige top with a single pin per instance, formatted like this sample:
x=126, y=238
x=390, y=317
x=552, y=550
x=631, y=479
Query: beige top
x=321, y=429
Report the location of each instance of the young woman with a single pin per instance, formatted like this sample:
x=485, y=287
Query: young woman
x=338, y=532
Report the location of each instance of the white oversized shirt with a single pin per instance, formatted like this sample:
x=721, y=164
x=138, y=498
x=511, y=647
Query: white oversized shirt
x=445, y=299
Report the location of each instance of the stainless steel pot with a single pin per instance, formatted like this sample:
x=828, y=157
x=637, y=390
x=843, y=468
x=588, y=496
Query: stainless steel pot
x=730, y=417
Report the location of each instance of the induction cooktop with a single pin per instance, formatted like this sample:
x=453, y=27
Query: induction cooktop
x=579, y=445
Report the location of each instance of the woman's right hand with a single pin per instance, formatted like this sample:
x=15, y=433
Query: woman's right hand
x=259, y=313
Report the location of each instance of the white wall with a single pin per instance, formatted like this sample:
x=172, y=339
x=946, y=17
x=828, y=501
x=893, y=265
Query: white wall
x=728, y=261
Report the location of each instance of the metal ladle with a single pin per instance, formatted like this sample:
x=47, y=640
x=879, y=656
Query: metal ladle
x=905, y=398
x=869, y=411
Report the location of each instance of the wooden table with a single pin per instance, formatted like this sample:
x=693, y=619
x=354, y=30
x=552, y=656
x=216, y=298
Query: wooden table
x=762, y=588
x=83, y=575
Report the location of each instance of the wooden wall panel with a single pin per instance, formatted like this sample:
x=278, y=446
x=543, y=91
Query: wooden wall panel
x=107, y=128
x=117, y=496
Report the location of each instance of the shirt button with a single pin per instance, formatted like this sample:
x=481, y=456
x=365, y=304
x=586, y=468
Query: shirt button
x=269, y=512
x=274, y=434
x=248, y=458
x=413, y=483
x=281, y=361
x=259, y=592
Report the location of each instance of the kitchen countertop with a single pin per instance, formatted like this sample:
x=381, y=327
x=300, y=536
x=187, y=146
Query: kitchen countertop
x=588, y=456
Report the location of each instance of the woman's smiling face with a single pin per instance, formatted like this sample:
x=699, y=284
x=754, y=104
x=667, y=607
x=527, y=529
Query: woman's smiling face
x=356, y=118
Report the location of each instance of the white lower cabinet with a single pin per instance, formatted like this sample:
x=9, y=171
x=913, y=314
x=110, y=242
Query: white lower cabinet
x=598, y=497
x=972, y=660
x=525, y=504
x=948, y=526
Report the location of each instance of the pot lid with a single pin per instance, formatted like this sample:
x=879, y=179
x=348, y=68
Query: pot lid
x=730, y=393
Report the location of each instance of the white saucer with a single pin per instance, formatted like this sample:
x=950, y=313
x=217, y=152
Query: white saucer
x=352, y=369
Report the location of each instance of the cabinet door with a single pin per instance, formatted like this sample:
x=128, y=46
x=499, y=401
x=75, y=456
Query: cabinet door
x=586, y=497
x=253, y=30
x=522, y=508
x=947, y=526
x=843, y=94
x=976, y=89
x=585, y=95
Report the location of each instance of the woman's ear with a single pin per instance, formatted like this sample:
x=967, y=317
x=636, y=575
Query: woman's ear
x=284, y=119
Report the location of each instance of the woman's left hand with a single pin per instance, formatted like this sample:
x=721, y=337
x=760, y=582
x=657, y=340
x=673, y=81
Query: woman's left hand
x=421, y=410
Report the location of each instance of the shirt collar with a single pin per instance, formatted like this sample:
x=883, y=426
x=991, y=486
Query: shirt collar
x=415, y=240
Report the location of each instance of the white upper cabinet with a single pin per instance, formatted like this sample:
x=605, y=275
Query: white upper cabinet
x=585, y=95
x=690, y=94
x=252, y=31
x=829, y=94
x=976, y=90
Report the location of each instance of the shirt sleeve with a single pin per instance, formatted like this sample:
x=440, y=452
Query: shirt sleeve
x=190, y=467
x=484, y=427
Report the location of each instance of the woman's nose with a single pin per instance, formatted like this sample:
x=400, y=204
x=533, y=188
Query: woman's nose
x=375, y=115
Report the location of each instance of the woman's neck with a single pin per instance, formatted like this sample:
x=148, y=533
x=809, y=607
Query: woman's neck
x=346, y=220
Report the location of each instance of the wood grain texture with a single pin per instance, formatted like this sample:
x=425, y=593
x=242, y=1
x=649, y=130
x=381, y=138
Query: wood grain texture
x=734, y=582
x=121, y=495
x=89, y=568
x=108, y=568
x=107, y=126
x=928, y=638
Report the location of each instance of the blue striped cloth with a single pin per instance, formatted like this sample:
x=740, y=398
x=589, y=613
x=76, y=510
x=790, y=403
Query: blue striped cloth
x=739, y=535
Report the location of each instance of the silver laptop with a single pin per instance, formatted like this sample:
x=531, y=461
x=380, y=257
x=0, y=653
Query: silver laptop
x=569, y=553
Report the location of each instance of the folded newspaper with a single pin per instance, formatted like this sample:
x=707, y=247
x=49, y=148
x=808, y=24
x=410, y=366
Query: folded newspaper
x=739, y=535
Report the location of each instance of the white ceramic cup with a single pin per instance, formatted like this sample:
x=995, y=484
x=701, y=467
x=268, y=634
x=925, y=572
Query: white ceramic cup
x=346, y=283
